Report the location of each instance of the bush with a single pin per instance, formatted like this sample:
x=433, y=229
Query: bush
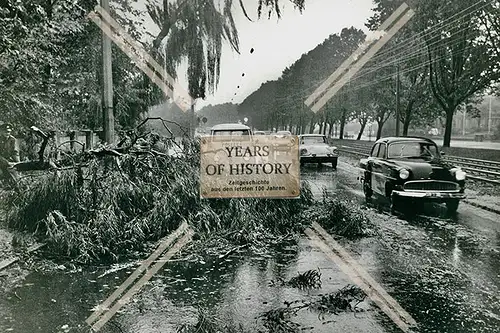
x=114, y=206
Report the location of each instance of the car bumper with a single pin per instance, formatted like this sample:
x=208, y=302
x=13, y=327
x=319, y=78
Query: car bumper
x=318, y=159
x=436, y=196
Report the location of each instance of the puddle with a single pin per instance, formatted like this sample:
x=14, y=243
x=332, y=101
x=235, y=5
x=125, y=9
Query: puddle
x=238, y=289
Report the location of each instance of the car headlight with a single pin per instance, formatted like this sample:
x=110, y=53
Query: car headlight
x=404, y=174
x=460, y=175
x=303, y=151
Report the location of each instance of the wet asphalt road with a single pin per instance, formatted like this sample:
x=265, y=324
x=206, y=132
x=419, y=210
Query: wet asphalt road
x=444, y=271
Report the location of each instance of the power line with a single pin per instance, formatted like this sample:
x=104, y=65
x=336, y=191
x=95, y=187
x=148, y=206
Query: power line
x=412, y=55
x=379, y=80
x=432, y=29
x=415, y=55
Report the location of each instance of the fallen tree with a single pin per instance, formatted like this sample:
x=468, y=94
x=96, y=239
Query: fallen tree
x=117, y=199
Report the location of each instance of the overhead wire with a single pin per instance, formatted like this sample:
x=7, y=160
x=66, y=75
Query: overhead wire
x=407, y=56
x=412, y=56
x=379, y=80
x=433, y=28
x=403, y=57
x=410, y=69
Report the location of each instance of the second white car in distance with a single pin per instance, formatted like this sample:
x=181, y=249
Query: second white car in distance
x=314, y=148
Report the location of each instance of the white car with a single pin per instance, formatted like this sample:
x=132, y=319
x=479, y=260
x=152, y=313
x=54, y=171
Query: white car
x=239, y=131
x=282, y=134
x=314, y=148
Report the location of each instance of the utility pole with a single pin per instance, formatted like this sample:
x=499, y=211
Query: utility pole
x=192, y=122
x=108, y=114
x=463, y=120
x=397, y=101
x=489, y=118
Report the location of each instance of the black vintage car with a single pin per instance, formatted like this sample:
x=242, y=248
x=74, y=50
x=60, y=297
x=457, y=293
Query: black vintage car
x=410, y=170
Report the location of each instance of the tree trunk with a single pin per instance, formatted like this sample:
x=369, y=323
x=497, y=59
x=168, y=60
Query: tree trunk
x=407, y=117
x=406, y=125
x=342, y=125
x=448, y=126
x=362, y=129
x=379, y=129
x=330, y=129
x=311, y=125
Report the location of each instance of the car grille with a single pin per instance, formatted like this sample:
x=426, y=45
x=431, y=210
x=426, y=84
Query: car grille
x=438, y=186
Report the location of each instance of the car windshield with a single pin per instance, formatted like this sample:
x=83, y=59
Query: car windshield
x=417, y=149
x=231, y=133
x=312, y=139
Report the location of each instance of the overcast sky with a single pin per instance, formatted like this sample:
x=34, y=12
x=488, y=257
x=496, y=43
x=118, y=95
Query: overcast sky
x=278, y=43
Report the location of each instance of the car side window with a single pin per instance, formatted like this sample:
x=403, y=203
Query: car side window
x=381, y=151
x=374, y=152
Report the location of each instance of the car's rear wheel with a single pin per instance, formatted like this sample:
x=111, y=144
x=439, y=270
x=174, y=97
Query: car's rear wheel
x=452, y=205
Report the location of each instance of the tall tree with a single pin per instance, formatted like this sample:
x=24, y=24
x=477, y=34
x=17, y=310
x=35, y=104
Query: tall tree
x=195, y=30
x=462, y=62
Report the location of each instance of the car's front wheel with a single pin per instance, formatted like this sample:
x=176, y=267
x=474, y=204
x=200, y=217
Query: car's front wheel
x=334, y=164
x=452, y=206
x=367, y=189
x=395, y=203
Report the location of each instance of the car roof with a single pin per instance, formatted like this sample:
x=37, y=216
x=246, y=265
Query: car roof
x=312, y=135
x=391, y=139
x=283, y=132
x=221, y=127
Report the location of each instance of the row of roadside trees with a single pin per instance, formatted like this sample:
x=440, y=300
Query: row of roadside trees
x=447, y=57
x=51, y=71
